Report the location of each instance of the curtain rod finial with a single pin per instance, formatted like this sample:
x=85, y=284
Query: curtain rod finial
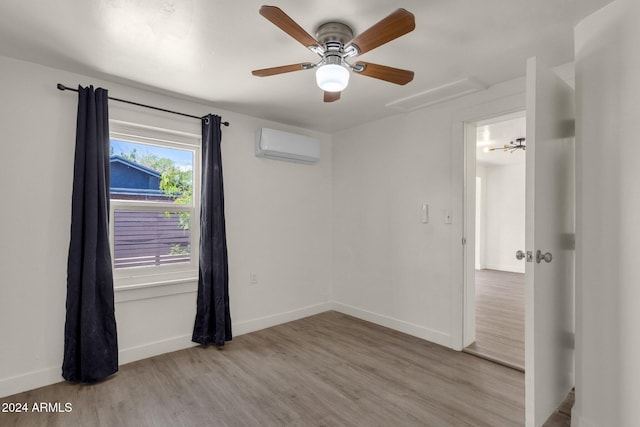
x=61, y=86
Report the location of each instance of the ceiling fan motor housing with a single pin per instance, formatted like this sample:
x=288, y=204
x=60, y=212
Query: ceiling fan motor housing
x=333, y=36
x=334, y=32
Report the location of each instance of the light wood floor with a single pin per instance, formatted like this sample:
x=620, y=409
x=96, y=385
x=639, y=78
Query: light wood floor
x=500, y=305
x=325, y=370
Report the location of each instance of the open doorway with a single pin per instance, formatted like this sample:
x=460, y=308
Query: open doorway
x=498, y=279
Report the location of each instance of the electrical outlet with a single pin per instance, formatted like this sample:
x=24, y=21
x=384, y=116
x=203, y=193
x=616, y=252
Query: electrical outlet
x=447, y=216
x=253, y=279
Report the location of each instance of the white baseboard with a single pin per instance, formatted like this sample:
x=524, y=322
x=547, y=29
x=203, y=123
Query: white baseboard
x=252, y=325
x=52, y=375
x=30, y=380
x=239, y=328
x=505, y=267
x=146, y=350
x=432, y=335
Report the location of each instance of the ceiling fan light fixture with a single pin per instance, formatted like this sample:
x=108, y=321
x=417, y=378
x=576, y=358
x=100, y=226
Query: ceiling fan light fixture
x=332, y=77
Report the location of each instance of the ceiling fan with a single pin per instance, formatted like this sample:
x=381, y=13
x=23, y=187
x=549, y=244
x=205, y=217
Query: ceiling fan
x=518, y=144
x=335, y=43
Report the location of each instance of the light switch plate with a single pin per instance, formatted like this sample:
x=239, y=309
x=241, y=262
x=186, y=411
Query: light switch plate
x=425, y=213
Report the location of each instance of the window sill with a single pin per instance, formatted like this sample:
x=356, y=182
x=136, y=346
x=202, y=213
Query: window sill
x=155, y=289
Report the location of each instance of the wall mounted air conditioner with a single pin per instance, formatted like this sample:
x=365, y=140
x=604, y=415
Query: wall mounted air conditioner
x=280, y=145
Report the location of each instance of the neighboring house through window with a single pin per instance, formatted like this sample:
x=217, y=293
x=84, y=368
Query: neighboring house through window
x=154, y=205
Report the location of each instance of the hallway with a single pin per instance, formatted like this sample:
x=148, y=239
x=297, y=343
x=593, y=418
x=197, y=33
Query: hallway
x=500, y=306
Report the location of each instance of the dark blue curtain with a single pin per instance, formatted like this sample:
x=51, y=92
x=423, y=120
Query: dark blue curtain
x=90, y=339
x=213, y=321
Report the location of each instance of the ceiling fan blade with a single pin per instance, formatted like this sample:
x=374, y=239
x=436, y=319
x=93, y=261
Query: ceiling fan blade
x=281, y=69
x=288, y=25
x=393, y=26
x=331, y=96
x=382, y=72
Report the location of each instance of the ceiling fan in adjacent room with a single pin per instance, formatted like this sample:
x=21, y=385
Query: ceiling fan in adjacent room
x=335, y=43
x=518, y=144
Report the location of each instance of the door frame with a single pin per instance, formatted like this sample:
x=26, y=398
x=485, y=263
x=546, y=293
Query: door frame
x=471, y=217
x=463, y=163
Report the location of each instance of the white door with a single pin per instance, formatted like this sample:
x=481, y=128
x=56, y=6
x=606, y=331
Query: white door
x=550, y=201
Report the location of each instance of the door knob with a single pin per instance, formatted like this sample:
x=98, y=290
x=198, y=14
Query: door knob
x=520, y=255
x=540, y=256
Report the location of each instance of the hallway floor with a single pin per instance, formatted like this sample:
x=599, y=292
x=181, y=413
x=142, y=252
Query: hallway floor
x=500, y=305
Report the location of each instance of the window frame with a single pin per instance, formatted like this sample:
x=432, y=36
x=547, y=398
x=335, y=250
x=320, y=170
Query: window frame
x=148, y=276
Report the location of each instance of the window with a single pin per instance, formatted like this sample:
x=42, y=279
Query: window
x=154, y=184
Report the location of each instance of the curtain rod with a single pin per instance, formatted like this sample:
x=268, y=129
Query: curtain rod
x=63, y=88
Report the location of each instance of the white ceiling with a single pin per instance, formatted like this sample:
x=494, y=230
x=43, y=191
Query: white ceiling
x=206, y=49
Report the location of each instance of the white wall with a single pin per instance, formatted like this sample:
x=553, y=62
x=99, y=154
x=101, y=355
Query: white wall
x=278, y=227
x=503, y=221
x=608, y=217
x=389, y=267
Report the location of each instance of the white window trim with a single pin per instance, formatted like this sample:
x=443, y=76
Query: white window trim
x=136, y=279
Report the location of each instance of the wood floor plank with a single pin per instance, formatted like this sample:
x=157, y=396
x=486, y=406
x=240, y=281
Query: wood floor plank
x=326, y=370
x=500, y=307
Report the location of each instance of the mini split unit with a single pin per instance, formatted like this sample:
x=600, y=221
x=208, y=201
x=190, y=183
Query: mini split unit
x=280, y=145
